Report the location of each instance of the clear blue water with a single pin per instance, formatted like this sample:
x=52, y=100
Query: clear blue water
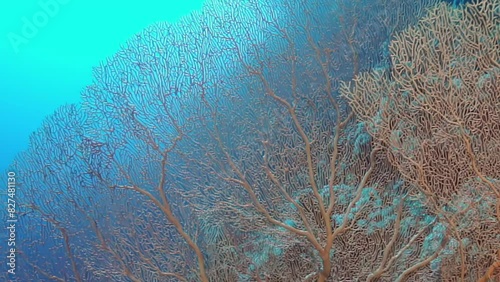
x=231, y=141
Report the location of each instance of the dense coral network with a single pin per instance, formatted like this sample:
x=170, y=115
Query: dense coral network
x=265, y=140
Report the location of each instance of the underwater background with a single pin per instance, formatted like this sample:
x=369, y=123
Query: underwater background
x=256, y=140
x=58, y=56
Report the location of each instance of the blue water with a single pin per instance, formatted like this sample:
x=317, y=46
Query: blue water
x=147, y=141
x=54, y=63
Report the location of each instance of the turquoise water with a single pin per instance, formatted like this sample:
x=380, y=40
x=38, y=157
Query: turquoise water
x=251, y=140
x=48, y=50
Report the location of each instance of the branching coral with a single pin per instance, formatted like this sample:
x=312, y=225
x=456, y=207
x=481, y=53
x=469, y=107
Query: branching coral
x=437, y=110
